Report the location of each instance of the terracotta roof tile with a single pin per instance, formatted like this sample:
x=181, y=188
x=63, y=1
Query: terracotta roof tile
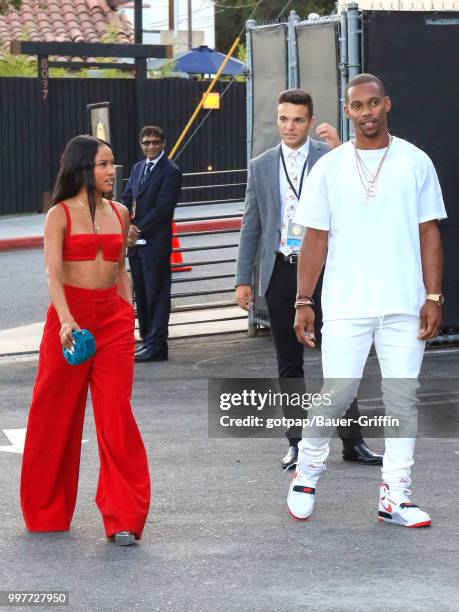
x=99, y=5
x=64, y=20
x=76, y=35
x=101, y=28
x=81, y=9
x=116, y=3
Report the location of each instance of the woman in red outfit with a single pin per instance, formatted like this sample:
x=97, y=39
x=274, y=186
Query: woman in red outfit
x=85, y=238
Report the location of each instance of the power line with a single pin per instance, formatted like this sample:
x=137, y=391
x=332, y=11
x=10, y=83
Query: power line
x=239, y=6
x=206, y=116
x=182, y=16
x=203, y=120
x=284, y=9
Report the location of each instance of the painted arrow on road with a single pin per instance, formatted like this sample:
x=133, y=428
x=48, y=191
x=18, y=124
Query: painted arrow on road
x=17, y=439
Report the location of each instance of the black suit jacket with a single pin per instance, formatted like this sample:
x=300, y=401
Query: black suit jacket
x=156, y=200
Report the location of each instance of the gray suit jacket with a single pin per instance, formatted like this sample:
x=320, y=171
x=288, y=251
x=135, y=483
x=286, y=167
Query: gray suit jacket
x=261, y=224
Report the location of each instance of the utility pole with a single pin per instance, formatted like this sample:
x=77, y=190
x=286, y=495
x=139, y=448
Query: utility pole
x=173, y=22
x=140, y=65
x=171, y=15
x=190, y=27
x=138, y=25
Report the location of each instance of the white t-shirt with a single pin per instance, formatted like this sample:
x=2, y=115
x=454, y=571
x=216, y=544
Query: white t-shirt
x=373, y=265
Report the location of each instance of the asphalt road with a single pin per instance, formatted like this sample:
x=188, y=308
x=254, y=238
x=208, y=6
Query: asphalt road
x=219, y=536
x=24, y=296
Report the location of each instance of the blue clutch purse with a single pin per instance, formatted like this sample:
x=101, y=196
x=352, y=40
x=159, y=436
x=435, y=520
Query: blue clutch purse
x=83, y=349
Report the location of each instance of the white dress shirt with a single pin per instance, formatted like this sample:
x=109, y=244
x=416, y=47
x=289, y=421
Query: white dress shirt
x=151, y=161
x=303, y=154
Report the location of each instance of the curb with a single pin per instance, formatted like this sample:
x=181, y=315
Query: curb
x=208, y=226
x=13, y=244
x=36, y=242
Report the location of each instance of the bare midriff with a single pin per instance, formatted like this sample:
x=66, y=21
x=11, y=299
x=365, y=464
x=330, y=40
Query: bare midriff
x=98, y=273
x=90, y=274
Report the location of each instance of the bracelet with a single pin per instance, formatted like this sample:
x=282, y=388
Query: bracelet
x=301, y=303
x=304, y=297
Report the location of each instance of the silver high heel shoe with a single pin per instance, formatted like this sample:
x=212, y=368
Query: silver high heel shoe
x=124, y=538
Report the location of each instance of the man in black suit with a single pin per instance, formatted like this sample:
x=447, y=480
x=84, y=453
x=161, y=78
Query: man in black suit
x=151, y=196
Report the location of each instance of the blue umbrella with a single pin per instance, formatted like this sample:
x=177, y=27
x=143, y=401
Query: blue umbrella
x=203, y=60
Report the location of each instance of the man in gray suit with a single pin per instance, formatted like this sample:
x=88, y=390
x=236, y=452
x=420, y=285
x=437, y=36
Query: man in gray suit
x=274, y=185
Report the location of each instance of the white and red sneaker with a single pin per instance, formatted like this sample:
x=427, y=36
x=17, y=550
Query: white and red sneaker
x=302, y=491
x=396, y=507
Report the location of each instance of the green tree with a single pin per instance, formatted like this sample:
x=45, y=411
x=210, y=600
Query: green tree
x=231, y=15
x=16, y=65
x=5, y=5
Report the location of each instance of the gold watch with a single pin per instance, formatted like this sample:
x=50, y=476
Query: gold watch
x=438, y=298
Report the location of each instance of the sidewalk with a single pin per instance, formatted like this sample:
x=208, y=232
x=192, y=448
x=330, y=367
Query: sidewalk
x=27, y=338
x=21, y=231
x=26, y=231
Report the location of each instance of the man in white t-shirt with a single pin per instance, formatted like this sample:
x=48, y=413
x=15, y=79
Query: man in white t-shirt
x=371, y=215
x=275, y=181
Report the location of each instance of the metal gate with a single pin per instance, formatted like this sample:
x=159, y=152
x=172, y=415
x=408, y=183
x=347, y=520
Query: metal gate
x=207, y=229
x=203, y=297
x=318, y=55
x=321, y=55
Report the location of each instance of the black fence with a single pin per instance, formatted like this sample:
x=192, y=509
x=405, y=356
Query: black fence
x=415, y=55
x=33, y=131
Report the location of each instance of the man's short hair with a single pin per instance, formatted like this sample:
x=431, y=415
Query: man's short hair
x=152, y=130
x=365, y=77
x=297, y=96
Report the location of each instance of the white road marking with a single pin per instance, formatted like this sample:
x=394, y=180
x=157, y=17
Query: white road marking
x=437, y=351
x=17, y=439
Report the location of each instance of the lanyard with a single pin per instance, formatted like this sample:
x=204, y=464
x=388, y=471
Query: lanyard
x=297, y=194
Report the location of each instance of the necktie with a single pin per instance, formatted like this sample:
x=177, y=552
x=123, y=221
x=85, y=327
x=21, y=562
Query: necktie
x=148, y=169
x=290, y=200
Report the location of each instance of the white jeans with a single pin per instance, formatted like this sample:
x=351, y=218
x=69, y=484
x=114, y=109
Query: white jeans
x=345, y=348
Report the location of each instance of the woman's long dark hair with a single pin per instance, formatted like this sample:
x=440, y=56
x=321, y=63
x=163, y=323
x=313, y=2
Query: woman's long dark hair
x=76, y=170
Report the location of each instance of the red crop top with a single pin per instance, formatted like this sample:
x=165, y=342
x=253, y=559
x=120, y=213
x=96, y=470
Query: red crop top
x=83, y=247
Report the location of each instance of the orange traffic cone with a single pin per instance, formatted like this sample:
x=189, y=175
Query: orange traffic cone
x=176, y=256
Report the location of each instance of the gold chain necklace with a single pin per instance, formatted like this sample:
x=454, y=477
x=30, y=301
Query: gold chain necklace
x=95, y=226
x=368, y=178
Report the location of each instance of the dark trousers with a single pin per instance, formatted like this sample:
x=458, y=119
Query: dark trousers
x=152, y=288
x=280, y=299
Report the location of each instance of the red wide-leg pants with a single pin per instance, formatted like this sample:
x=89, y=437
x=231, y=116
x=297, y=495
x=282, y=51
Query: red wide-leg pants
x=50, y=465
